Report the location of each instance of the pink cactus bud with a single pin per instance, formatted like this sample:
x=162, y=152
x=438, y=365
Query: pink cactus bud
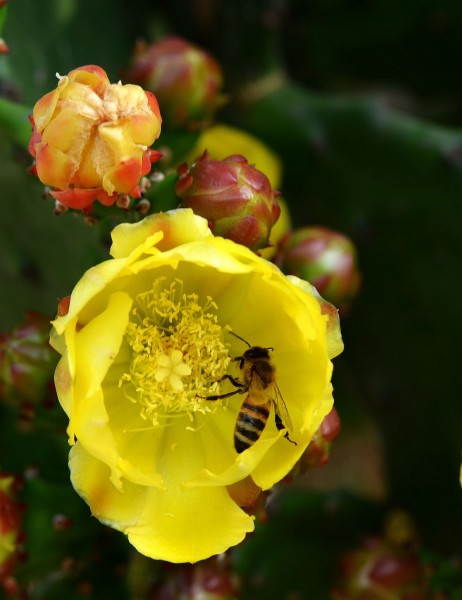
x=235, y=198
x=381, y=569
x=27, y=361
x=186, y=80
x=325, y=258
x=211, y=579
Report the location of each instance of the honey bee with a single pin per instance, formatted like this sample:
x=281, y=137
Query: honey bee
x=259, y=383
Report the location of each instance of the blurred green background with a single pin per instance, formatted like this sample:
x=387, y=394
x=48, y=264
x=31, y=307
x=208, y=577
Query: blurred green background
x=362, y=101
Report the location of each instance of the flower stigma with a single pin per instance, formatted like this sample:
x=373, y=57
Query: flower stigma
x=178, y=352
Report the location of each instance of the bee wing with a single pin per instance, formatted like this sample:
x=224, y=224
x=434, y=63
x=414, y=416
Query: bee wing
x=280, y=406
x=256, y=380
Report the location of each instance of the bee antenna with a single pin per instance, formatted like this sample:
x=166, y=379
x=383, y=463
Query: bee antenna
x=240, y=338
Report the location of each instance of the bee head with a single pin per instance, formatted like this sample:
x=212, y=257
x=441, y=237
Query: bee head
x=255, y=352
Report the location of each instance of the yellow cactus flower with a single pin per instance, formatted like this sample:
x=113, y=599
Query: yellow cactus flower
x=150, y=339
x=91, y=138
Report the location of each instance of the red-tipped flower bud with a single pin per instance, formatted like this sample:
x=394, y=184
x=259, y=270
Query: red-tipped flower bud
x=10, y=526
x=317, y=452
x=235, y=198
x=381, y=569
x=27, y=361
x=325, y=258
x=186, y=80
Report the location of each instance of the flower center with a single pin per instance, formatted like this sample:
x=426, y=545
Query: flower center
x=178, y=352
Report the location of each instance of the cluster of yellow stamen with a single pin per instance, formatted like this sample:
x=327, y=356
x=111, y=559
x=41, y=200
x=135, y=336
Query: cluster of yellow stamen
x=178, y=352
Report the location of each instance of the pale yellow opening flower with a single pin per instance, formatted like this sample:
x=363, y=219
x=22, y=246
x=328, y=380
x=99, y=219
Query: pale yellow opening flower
x=146, y=338
x=91, y=139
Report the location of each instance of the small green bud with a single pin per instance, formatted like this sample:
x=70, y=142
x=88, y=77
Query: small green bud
x=186, y=80
x=325, y=258
x=235, y=198
x=27, y=361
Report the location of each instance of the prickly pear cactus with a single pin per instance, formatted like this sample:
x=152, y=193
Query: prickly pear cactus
x=294, y=90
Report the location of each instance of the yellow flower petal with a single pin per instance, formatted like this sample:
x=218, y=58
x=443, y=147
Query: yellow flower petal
x=90, y=477
x=334, y=336
x=138, y=443
x=175, y=524
x=44, y=109
x=183, y=524
x=108, y=328
x=89, y=419
x=281, y=458
x=177, y=226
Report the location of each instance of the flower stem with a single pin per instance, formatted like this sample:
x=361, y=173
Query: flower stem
x=14, y=122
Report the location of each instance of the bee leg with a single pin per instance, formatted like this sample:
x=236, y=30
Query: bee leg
x=235, y=382
x=242, y=389
x=280, y=426
x=221, y=396
x=286, y=435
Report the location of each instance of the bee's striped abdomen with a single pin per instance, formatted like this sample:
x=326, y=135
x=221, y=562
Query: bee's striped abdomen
x=250, y=423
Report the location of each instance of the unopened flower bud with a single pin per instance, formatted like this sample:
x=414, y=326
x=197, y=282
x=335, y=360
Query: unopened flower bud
x=10, y=526
x=235, y=198
x=325, y=258
x=27, y=361
x=381, y=569
x=211, y=579
x=91, y=138
x=317, y=452
x=186, y=80
x=222, y=140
